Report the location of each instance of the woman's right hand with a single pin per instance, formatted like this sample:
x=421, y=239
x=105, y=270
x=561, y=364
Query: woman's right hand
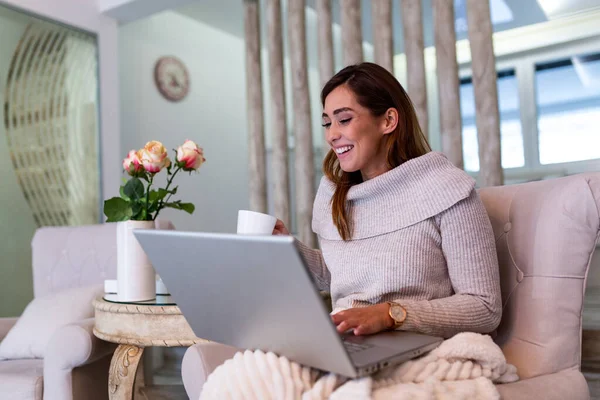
x=280, y=228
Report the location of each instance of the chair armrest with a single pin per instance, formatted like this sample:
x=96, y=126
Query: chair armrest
x=71, y=346
x=6, y=325
x=75, y=345
x=199, y=361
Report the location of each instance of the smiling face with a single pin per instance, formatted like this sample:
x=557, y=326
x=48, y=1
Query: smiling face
x=356, y=135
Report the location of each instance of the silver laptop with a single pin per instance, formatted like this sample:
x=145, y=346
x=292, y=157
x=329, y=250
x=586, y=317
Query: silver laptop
x=255, y=292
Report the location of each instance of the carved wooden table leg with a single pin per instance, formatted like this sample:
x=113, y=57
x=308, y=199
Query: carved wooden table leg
x=123, y=367
x=163, y=325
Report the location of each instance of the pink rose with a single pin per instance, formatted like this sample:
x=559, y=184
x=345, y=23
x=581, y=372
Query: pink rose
x=190, y=156
x=154, y=157
x=132, y=164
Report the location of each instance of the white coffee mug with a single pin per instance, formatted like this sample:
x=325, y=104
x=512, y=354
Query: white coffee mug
x=255, y=223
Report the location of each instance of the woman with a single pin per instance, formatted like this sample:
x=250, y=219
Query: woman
x=406, y=242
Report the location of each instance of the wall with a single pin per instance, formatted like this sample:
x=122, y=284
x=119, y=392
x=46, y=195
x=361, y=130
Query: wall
x=16, y=222
x=213, y=114
x=83, y=14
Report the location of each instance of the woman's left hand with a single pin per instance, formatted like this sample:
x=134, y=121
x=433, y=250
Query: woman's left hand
x=364, y=320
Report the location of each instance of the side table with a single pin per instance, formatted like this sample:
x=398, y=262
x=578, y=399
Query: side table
x=135, y=326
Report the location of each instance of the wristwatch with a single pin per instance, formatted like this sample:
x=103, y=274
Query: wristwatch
x=397, y=313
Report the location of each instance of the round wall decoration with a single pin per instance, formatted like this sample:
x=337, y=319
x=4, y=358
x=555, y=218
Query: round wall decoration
x=172, y=78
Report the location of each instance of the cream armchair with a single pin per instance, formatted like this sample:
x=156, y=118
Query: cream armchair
x=76, y=363
x=546, y=233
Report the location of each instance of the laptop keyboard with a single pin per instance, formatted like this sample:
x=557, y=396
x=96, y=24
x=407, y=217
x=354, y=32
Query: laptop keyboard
x=356, y=347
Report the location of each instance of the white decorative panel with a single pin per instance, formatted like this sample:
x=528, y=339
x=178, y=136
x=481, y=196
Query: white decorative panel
x=51, y=124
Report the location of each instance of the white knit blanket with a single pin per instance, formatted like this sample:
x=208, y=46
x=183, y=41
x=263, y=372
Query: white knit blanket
x=463, y=367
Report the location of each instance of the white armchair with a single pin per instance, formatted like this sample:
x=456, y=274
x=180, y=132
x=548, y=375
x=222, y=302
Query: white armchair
x=75, y=363
x=5, y=325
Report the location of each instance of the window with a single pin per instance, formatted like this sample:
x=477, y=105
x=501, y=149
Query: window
x=510, y=123
x=568, y=104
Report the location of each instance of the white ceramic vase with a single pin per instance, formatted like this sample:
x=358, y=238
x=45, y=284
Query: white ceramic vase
x=136, y=279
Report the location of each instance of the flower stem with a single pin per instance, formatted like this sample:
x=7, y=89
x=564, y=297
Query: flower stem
x=162, y=202
x=148, y=196
x=170, y=180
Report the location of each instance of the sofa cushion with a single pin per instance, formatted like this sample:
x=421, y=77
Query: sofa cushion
x=21, y=379
x=568, y=384
x=43, y=316
x=546, y=233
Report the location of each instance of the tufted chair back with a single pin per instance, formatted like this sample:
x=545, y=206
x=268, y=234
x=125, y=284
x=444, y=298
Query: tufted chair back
x=546, y=234
x=73, y=256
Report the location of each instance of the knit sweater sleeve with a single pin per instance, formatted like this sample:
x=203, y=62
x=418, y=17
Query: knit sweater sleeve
x=316, y=264
x=468, y=244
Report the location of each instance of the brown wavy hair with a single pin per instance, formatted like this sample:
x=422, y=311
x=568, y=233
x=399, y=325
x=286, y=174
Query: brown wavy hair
x=378, y=90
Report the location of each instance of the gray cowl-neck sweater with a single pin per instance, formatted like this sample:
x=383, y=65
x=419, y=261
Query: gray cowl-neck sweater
x=421, y=238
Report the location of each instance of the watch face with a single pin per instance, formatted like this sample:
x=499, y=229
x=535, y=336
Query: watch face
x=398, y=313
x=172, y=78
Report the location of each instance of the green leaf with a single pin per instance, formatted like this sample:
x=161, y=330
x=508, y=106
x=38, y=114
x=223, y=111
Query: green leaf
x=116, y=209
x=122, y=193
x=134, y=189
x=152, y=196
x=153, y=201
x=136, y=209
x=162, y=193
x=187, y=207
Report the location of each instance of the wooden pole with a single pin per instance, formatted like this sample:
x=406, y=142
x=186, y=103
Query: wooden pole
x=325, y=42
x=448, y=81
x=280, y=168
x=383, y=34
x=325, y=48
x=351, y=32
x=256, y=138
x=412, y=23
x=487, y=116
x=304, y=160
